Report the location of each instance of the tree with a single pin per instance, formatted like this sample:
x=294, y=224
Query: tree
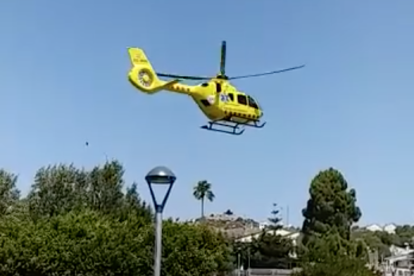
x=105, y=190
x=274, y=248
x=270, y=249
x=60, y=189
x=405, y=233
x=57, y=189
x=91, y=243
x=337, y=266
x=328, y=219
x=9, y=194
x=135, y=206
x=228, y=212
x=374, y=241
x=331, y=207
x=80, y=222
x=275, y=220
x=194, y=250
x=203, y=191
x=332, y=255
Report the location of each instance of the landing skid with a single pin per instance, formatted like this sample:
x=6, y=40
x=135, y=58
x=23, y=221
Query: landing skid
x=231, y=127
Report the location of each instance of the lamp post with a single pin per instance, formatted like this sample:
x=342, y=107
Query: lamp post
x=161, y=176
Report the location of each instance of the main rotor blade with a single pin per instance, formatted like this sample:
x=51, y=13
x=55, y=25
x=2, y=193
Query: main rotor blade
x=182, y=77
x=223, y=59
x=268, y=73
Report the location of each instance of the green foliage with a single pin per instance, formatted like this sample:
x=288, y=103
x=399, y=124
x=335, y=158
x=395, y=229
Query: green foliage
x=9, y=194
x=331, y=254
x=133, y=205
x=380, y=241
x=327, y=247
x=376, y=241
x=275, y=220
x=57, y=190
x=339, y=266
x=405, y=234
x=83, y=243
x=79, y=222
x=194, y=250
x=331, y=207
x=270, y=249
x=89, y=243
x=332, y=246
x=203, y=191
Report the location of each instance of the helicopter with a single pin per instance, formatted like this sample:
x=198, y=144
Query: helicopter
x=220, y=101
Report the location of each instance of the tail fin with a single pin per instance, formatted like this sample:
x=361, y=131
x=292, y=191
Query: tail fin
x=142, y=75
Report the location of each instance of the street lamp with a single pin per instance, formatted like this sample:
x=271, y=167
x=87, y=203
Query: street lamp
x=160, y=176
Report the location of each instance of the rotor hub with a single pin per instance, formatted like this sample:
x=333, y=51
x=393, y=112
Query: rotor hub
x=145, y=78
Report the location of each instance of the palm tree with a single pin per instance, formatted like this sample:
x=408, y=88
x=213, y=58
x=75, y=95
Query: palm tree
x=203, y=191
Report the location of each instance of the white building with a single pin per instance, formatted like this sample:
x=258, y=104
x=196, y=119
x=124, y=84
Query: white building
x=400, y=263
x=390, y=228
x=283, y=232
x=264, y=224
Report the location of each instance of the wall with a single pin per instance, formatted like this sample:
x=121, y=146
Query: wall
x=263, y=272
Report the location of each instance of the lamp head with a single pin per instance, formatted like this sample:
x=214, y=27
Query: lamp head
x=160, y=175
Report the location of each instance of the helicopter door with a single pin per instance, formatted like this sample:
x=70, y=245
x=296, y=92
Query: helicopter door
x=223, y=96
x=218, y=87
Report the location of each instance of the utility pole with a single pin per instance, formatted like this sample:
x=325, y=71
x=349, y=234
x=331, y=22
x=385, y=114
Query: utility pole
x=287, y=216
x=238, y=264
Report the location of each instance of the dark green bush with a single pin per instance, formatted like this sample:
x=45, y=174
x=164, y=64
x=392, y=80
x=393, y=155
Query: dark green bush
x=89, y=243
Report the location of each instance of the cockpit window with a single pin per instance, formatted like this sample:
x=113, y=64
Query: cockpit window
x=252, y=103
x=241, y=99
x=218, y=87
x=204, y=84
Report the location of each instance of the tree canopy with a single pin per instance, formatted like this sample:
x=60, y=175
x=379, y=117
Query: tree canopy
x=76, y=221
x=269, y=249
x=203, y=191
x=331, y=206
x=81, y=222
x=327, y=247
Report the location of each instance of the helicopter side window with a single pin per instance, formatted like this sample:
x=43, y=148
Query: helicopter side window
x=231, y=96
x=242, y=99
x=204, y=84
x=218, y=87
x=252, y=103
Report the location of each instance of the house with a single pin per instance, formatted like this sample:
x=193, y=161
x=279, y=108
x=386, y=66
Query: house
x=374, y=227
x=287, y=233
x=389, y=228
x=294, y=235
x=400, y=263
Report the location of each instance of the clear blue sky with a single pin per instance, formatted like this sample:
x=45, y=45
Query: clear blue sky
x=63, y=82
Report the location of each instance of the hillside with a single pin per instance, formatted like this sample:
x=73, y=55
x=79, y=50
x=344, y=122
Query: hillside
x=233, y=225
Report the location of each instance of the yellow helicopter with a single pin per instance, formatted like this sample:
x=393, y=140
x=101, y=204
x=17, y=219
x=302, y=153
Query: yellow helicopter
x=218, y=99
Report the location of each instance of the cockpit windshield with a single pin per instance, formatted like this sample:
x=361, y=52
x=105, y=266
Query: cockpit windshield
x=253, y=103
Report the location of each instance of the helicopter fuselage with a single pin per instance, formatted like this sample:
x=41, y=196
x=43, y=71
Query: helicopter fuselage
x=217, y=98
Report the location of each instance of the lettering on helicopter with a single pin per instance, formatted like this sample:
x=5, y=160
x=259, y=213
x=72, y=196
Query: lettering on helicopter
x=138, y=58
x=224, y=98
